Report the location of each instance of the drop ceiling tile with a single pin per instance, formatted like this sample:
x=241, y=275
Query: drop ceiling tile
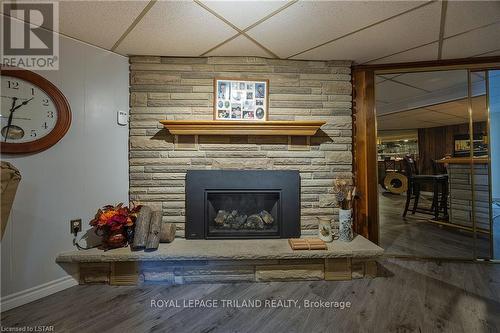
x=391, y=92
x=448, y=105
x=408, y=118
x=175, y=28
x=472, y=43
x=465, y=15
x=418, y=27
x=240, y=46
x=437, y=80
x=420, y=111
x=454, y=120
x=383, y=77
x=432, y=116
x=450, y=121
x=488, y=54
x=412, y=112
x=380, y=103
x=423, y=53
x=401, y=121
x=309, y=23
x=390, y=76
x=99, y=23
x=450, y=113
x=244, y=13
x=390, y=124
x=459, y=113
x=456, y=109
x=424, y=124
x=423, y=114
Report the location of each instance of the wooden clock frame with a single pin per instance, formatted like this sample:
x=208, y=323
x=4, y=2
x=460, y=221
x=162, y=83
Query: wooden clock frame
x=63, y=114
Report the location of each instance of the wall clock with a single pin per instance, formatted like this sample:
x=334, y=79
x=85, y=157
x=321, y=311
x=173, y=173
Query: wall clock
x=35, y=114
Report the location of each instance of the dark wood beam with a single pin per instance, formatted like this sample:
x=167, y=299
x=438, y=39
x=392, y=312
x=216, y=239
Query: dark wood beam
x=365, y=154
x=481, y=62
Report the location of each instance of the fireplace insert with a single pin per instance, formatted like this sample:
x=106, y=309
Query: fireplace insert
x=227, y=204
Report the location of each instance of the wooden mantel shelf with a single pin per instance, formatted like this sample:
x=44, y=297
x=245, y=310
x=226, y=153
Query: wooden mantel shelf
x=230, y=127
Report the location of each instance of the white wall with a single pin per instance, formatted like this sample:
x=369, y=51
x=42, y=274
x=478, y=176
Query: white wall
x=85, y=170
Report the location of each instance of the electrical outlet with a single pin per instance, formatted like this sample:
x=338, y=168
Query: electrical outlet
x=75, y=226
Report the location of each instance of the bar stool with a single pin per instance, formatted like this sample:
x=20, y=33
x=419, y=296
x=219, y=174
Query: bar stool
x=440, y=169
x=389, y=165
x=393, y=180
x=439, y=185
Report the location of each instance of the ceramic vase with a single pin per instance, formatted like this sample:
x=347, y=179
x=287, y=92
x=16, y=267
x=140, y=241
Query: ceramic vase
x=325, y=229
x=345, y=225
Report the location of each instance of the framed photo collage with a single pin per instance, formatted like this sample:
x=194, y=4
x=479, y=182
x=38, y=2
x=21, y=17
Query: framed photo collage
x=241, y=99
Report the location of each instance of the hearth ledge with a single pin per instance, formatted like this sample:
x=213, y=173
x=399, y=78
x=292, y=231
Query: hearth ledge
x=182, y=249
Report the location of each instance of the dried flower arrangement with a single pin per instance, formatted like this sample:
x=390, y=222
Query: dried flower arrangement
x=115, y=224
x=344, y=193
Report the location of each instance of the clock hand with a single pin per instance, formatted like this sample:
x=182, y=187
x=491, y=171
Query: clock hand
x=22, y=104
x=9, y=122
x=3, y=96
x=19, y=118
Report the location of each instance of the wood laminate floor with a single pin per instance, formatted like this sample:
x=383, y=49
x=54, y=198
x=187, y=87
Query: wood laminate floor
x=410, y=296
x=413, y=236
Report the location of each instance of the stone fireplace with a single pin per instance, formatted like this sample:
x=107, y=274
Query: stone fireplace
x=165, y=88
x=224, y=204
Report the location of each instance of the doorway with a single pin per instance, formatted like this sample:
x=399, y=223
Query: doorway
x=425, y=190
x=439, y=118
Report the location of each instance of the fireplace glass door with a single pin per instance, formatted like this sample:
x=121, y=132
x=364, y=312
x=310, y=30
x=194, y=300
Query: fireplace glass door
x=242, y=214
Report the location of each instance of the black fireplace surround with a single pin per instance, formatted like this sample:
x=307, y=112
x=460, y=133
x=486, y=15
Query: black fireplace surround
x=228, y=204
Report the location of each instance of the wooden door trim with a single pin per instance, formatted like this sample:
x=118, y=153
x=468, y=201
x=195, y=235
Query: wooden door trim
x=365, y=154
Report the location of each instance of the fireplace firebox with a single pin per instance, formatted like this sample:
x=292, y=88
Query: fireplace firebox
x=227, y=204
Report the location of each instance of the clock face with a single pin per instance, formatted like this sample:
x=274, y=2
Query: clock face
x=28, y=112
x=35, y=114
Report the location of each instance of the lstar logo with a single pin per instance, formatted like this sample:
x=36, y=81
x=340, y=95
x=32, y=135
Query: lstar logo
x=29, y=38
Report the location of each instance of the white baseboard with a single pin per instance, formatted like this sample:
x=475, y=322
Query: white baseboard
x=32, y=294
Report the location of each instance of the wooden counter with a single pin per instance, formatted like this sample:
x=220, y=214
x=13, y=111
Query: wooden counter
x=462, y=175
x=464, y=160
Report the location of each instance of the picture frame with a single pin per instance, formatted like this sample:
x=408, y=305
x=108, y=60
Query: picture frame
x=461, y=146
x=241, y=100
